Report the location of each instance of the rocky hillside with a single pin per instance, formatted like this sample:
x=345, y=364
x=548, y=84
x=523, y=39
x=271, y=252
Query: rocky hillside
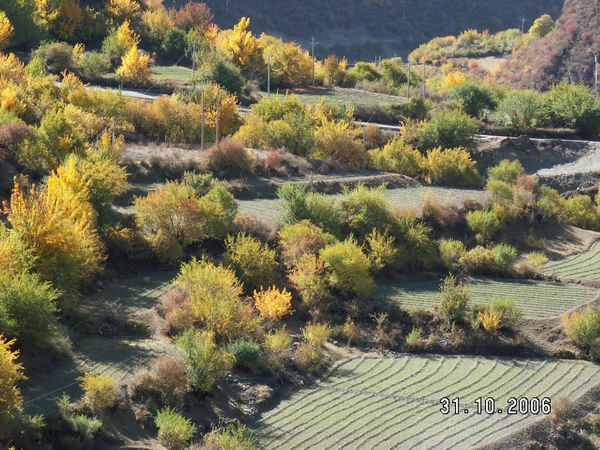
x=369, y=28
x=565, y=53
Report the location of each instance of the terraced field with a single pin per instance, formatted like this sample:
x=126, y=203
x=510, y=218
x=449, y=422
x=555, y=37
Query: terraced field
x=119, y=356
x=408, y=198
x=536, y=299
x=344, y=96
x=581, y=267
x=379, y=402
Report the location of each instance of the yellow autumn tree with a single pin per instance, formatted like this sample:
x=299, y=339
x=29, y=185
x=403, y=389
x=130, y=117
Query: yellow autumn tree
x=273, y=304
x=134, y=67
x=126, y=36
x=238, y=44
x=61, y=17
x=10, y=373
x=6, y=30
x=158, y=22
x=58, y=224
x=290, y=64
x=122, y=10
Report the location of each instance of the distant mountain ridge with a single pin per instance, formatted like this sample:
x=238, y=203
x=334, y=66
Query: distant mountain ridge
x=566, y=53
x=365, y=29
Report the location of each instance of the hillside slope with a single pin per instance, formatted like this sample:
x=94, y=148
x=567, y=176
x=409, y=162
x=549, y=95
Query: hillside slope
x=566, y=53
x=369, y=28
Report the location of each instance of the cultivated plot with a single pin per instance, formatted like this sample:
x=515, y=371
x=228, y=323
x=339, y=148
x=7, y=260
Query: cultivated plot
x=379, y=402
x=581, y=267
x=408, y=198
x=536, y=299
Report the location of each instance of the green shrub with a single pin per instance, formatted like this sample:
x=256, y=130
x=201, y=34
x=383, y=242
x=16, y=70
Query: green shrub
x=338, y=141
x=278, y=340
x=454, y=300
x=451, y=250
x=86, y=428
x=310, y=280
x=94, y=65
x=507, y=171
x=363, y=209
x=478, y=260
x=231, y=437
x=254, y=262
x=227, y=74
x=507, y=308
x=504, y=258
x=452, y=167
x=348, y=268
x=476, y=99
x=174, y=430
x=417, y=249
x=520, y=110
x=219, y=209
x=583, y=327
x=214, y=295
x=298, y=204
x=573, y=106
x=484, y=223
x=174, y=43
x=413, y=339
x=550, y=203
x=247, y=353
x=399, y=157
x=207, y=363
x=113, y=48
x=27, y=308
x=363, y=71
x=54, y=139
x=100, y=391
x=580, y=211
x=448, y=129
x=57, y=55
x=382, y=250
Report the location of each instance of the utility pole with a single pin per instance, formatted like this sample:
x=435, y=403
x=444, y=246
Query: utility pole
x=408, y=81
x=423, y=77
x=269, y=74
x=596, y=74
x=194, y=66
x=217, y=120
x=202, y=124
x=364, y=136
x=313, y=43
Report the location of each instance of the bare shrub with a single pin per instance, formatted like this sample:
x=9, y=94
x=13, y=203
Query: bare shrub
x=439, y=212
x=169, y=374
x=177, y=312
x=274, y=163
x=229, y=157
x=252, y=225
x=562, y=408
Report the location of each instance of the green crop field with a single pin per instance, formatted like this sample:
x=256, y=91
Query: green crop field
x=536, y=299
x=409, y=198
x=581, y=267
x=174, y=74
x=379, y=402
x=344, y=96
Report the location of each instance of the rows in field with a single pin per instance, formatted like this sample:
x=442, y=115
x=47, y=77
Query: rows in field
x=410, y=198
x=536, y=299
x=581, y=267
x=348, y=97
x=380, y=402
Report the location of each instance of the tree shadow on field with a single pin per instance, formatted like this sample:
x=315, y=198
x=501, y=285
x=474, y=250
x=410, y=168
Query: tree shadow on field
x=132, y=293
